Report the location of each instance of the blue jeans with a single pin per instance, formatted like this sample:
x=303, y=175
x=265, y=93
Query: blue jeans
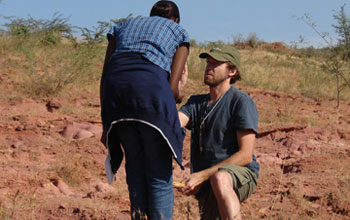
x=148, y=171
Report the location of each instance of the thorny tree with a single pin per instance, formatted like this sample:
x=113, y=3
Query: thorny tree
x=337, y=58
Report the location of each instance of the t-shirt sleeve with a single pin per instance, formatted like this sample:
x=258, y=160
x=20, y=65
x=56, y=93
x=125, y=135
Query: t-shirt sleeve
x=246, y=116
x=189, y=110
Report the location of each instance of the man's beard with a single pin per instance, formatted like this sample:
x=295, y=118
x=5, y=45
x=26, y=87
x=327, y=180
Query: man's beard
x=213, y=82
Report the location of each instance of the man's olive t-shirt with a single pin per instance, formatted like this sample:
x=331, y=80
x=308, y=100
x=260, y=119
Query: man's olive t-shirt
x=214, y=128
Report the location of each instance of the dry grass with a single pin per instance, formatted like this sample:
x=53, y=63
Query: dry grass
x=40, y=71
x=71, y=169
x=286, y=73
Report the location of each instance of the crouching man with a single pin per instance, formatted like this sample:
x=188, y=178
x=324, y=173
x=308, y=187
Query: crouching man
x=223, y=126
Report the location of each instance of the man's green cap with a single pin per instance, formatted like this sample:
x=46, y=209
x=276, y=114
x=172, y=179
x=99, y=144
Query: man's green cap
x=224, y=54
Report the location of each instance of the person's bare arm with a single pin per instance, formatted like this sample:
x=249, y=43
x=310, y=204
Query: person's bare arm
x=246, y=140
x=177, y=68
x=183, y=81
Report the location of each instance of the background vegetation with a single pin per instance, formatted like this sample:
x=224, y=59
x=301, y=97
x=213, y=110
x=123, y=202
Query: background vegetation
x=44, y=59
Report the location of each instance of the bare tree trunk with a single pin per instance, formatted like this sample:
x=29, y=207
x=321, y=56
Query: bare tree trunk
x=338, y=90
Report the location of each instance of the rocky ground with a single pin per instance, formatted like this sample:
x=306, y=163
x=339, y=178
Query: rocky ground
x=52, y=163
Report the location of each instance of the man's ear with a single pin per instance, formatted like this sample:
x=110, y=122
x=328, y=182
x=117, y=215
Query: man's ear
x=232, y=72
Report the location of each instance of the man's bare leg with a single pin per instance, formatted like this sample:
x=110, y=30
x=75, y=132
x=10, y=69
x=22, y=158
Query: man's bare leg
x=226, y=197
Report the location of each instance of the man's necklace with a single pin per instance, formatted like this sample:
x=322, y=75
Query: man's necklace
x=203, y=118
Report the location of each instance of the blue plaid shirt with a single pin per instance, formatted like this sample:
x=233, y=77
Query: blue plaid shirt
x=156, y=38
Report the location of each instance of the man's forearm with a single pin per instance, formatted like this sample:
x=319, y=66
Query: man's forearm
x=246, y=140
x=195, y=180
x=240, y=159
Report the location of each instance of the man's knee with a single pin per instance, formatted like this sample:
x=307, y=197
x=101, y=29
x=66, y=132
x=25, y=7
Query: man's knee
x=221, y=180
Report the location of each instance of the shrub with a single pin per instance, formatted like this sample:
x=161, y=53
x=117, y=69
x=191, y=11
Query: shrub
x=98, y=34
x=60, y=67
x=49, y=31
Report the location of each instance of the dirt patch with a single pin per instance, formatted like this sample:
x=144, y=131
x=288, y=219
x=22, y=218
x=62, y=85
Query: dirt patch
x=53, y=163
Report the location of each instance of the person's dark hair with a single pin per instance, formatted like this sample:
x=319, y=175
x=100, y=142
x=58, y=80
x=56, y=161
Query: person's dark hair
x=237, y=76
x=166, y=9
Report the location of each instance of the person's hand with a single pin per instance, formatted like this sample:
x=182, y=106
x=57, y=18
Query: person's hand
x=193, y=183
x=183, y=78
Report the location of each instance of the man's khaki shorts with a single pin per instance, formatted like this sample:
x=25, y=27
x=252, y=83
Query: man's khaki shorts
x=244, y=180
x=244, y=183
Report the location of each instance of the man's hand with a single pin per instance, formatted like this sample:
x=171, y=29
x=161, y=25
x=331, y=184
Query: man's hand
x=194, y=183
